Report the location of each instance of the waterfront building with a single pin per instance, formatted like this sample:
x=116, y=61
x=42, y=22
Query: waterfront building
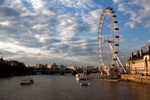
x=71, y=67
x=16, y=63
x=12, y=62
x=40, y=66
x=139, y=63
x=30, y=66
x=44, y=65
x=37, y=65
x=53, y=66
x=61, y=67
x=79, y=67
x=90, y=67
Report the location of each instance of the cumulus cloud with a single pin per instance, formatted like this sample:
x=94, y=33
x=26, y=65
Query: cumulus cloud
x=93, y=16
x=80, y=4
x=82, y=47
x=70, y=26
x=139, y=16
x=6, y=52
x=133, y=24
x=117, y=1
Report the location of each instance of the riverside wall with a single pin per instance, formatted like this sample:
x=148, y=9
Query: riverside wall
x=138, y=78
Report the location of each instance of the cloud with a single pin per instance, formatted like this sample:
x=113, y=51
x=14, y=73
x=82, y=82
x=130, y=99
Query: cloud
x=138, y=17
x=130, y=40
x=22, y=24
x=70, y=26
x=32, y=22
x=82, y=47
x=133, y=24
x=39, y=54
x=8, y=12
x=93, y=16
x=6, y=53
x=117, y=1
x=82, y=4
x=2, y=1
x=125, y=9
x=144, y=46
x=147, y=24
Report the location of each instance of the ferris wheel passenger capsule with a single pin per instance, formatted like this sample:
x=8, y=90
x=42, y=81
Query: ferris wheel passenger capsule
x=115, y=21
x=113, y=12
x=117, y=36
x=114, y=16
x=116, y=52
x=99, y=37
x=116, y=28
x=109, y=8
x=99, y=32
x=116, y=44
x=114, y=59
x=100, y=28
x=113, y=64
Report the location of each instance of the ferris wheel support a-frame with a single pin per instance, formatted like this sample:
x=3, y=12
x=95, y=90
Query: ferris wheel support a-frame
x=118, y=60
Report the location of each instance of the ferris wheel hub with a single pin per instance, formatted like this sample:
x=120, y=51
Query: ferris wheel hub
x=109, y=41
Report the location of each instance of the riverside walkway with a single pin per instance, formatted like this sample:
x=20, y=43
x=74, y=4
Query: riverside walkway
x=138, y=78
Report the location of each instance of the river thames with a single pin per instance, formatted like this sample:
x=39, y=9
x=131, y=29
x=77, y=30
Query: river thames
x=57, y=87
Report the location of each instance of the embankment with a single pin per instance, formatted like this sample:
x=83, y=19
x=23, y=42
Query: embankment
x=136, y=78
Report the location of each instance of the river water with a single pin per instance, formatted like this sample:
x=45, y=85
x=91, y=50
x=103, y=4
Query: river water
x=57, y=87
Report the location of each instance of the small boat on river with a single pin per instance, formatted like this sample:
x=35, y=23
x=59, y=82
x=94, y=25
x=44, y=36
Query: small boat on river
x=26, y=81
x=84, y=84
x=77, y=77
x=80, y=77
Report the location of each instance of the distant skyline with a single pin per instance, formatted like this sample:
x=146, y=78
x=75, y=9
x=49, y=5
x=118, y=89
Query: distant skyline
x=66, y=31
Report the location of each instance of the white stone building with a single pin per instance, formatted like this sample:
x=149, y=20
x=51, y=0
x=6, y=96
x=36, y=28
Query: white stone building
x=139, y=63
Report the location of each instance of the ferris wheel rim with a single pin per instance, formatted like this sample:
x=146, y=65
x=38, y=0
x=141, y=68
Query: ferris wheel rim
x=108, y=11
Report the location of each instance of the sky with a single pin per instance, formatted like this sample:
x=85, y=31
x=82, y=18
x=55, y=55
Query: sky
x=66, y=31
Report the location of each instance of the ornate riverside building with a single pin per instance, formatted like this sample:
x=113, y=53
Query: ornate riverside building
x=139, y=63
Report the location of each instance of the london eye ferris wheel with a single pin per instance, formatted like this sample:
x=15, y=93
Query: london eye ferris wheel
x=113, y=42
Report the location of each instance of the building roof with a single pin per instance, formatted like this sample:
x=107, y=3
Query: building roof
x=146, y=53
x=135, y=56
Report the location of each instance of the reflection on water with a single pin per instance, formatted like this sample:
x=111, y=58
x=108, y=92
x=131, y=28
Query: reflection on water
x=56, y=87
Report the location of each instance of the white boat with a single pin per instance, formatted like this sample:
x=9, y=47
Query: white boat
x=27, y=81
x=80, y=77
